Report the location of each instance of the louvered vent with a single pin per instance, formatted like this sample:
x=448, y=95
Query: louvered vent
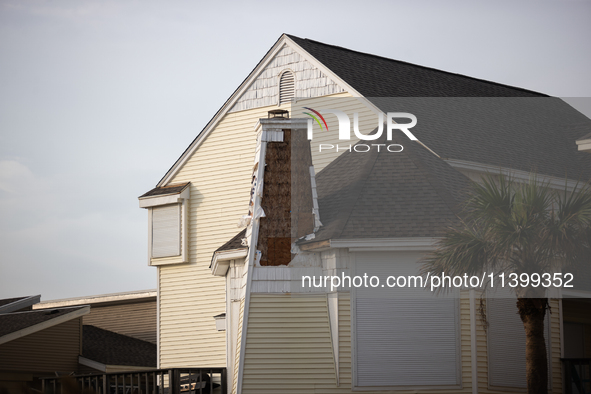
x=286, y=87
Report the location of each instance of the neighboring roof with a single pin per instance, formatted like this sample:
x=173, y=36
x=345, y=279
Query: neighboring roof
x=166, y=190
x=109, y=348
x=376, y=76
x=234, y=243
x=585, y=137
x=127, y=297
x=388, y=195
x=18, y=303
x=18, y=324
x=528, y=134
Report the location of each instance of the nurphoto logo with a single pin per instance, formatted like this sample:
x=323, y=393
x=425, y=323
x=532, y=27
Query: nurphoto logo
x=345, y=129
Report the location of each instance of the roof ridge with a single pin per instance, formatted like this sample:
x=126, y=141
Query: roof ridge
x=418, y=65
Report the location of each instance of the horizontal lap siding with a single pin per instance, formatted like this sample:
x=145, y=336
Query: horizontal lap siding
x=288, y=345
x=219, y=172
x=136, y=320
x=55, y=349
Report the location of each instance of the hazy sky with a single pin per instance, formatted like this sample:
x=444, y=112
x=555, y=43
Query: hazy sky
x=98, y=100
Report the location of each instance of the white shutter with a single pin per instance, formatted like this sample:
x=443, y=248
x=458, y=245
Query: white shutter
x=506, y=341
x=166, y=231
x=408, y=338
x=286, y=87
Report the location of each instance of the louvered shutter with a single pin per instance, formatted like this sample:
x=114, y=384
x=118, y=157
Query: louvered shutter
x=407, y=338
x=506, y=342
x=166, y=231
x=286, y=87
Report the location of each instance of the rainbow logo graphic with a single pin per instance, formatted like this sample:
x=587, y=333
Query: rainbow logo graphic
x=315, y=118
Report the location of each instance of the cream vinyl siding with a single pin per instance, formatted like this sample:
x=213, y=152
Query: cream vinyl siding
x=368, y=121
x=136, y=320
x=220, y=172
x=288, y=345
x=54, y=349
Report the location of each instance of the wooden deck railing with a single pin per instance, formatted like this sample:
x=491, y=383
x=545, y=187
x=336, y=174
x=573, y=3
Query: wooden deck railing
x=155, y=381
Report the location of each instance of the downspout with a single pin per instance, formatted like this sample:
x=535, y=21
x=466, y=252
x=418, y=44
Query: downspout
x=474, y=350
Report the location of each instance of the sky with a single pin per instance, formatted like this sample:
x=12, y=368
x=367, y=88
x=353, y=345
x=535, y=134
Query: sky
x=99, y=98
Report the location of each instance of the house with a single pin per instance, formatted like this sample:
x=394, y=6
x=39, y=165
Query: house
x=370, y=204
x=119, y=331
x=107, y=333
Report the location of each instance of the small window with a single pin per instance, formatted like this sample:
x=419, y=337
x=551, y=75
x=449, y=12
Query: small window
x=286, y=87
x=166, y=231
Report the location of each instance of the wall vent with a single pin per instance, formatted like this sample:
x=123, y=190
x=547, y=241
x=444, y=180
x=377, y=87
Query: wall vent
x=286, y=87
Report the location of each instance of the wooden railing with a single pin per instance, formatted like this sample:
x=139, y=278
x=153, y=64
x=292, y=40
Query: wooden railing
x=156, y=381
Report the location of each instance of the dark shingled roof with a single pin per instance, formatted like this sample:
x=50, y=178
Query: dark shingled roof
x=107, y=347
x=234, y=243
x=7, y=301
x=528, y=134
x=376, y=76
x=164, y=190
x=12, y=322
x=388, y=195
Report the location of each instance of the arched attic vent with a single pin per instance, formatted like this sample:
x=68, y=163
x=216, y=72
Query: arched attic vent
x=286, y=87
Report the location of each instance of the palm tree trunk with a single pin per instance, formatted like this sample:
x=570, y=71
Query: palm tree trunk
x=532, y=312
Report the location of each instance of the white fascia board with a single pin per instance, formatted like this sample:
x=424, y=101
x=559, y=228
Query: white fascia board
x=519, y=175
x=20, y=304
x=223, y=111
x=92, y=364
x=176, y=198
x=410, y=244
x=46, y=324
x=221, y=260
x=98, y=299
x=584, y=145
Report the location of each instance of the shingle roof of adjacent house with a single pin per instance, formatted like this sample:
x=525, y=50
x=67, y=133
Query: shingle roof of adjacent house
x=107, y=347
x=13, y=322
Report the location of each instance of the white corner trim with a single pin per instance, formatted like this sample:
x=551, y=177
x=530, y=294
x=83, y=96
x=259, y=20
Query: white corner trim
x=584, y=145
x=175, y=198
x=554, y=182
x=386, y=244
x=221, y=260
x=46, y=324
x=20, y=304
x=92, y=364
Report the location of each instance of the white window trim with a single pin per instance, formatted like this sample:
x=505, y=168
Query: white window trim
x=183, y=200
x=354, y=357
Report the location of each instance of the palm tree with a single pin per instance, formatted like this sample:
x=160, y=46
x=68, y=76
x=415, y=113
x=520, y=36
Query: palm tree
x=523, y=228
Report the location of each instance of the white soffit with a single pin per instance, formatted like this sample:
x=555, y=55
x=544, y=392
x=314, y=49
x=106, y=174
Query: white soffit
x=221, y=260
x=518, y=175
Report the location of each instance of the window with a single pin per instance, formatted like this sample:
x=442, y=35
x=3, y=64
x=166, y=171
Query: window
x=404, y=337
x=168, y=223
x=506, y=341
x=166, y=231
